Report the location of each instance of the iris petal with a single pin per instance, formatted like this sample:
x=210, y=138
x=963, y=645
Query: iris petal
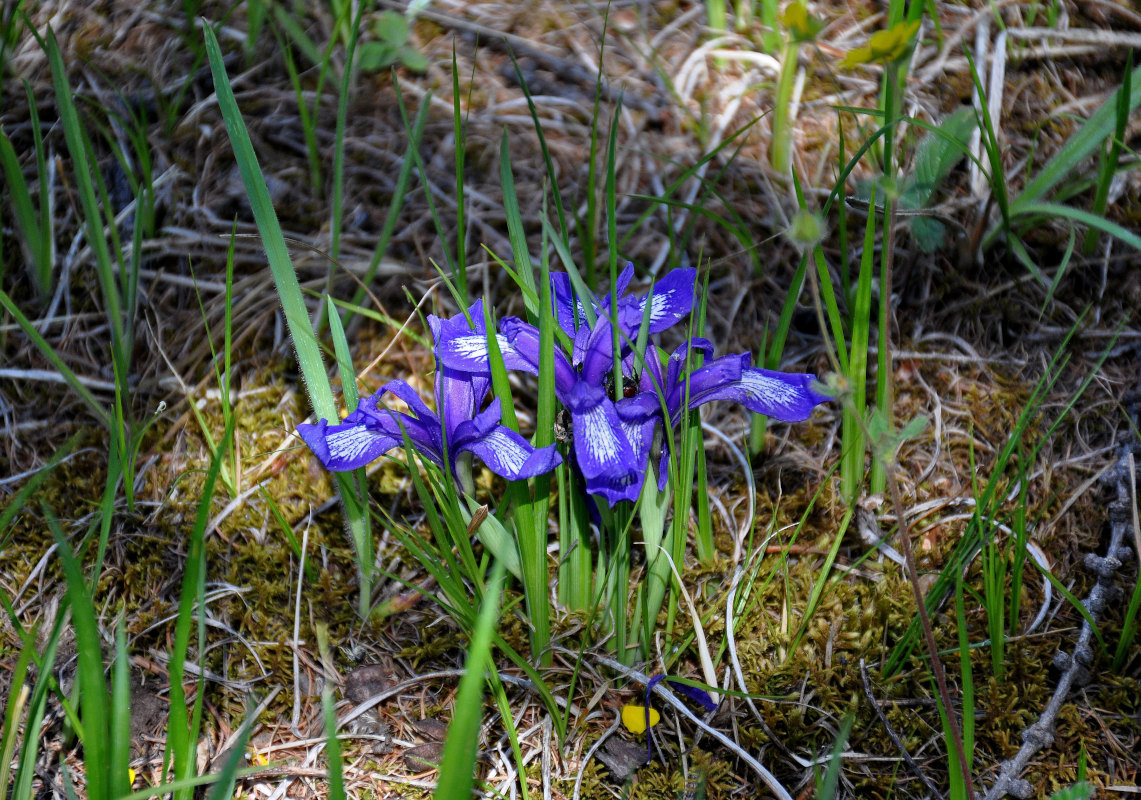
x=509, y=455
x=524, y=339
x=672, y=299
x=782, y=395
x=345, y=447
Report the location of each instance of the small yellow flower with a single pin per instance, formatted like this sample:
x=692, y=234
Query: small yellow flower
x=885, y=46
x=259, y=759
x=801, y=26
x=634, y=718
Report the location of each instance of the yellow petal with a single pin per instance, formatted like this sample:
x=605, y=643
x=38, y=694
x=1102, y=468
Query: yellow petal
x=861, y=55
x=634, y=718
x=890, y=44
x=800, y=24
x=131, y=776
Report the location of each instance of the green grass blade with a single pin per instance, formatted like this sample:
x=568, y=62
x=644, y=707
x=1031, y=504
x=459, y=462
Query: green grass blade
x=1129, y=623
x=1107, y=167
x=855, y=446
x=27, y=220
x=516, y=233
x=289, y=291
x=441, y=232
x=415, y=135
x=79, y=148
x=90, y=683
x=120, y=723
x=14, y=709
x=457, y=769
x=293, y=306
x=459, y=274
x=182, y=738
x=1096, y=130
x=507, y=716
x=1030, y=211
x=552, y=176
x=337, y=200
x=225, y=779
x=344, y=358
x=967, y=691
x=26, y=771
x=16, y=503
x=333, y=763
x=289, y=23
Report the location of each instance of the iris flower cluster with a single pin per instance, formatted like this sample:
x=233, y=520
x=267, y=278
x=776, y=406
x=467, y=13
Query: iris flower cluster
x=612, y=432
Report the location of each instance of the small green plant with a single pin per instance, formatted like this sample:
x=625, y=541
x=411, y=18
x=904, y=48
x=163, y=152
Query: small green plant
x=800, y=28
x=33, y=220
x=391, y=45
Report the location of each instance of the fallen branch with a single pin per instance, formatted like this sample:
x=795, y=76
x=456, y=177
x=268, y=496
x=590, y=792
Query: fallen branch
x=1075, y=666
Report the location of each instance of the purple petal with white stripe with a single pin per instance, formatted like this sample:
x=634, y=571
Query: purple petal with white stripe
x=568, y=311
x=345, y=447
x=786, y=396
x=509, y=455
x=672, y=299
x=600, y=444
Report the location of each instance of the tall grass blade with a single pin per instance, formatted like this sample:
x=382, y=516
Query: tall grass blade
x=34, y=227
x=1107, y=167
x=459, y=275
x=454, y=268
x=344, y=357
x=37, y=706
x=967, y=692
x=457, y=769
x=226, y=778
x=334, y=765
x=119, y=750
x=852, y=459
x=397, y=204
x=90, y=683
x=1091, y=135
x=289, y=291
x=516, y=233
x=14, y=709
x=182, y=727
x=293, y=306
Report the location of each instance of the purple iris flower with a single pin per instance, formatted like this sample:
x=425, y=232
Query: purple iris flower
x=609, y=452
x=373, y=430
x=786, y=396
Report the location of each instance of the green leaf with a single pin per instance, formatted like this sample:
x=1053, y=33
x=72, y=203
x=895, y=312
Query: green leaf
x=374, y=56
x=412, y=58
x=1079, y=791
x=391, y=28
x=935, y=155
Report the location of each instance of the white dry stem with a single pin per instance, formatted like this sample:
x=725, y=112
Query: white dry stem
x=751, y=494
x=295, y=723
x=663, y=692
x=577, y=794
x=731, y=636
x=698, y=631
